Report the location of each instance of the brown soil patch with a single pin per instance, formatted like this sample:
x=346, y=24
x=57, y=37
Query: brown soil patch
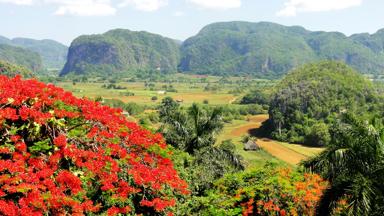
x=281, y=152
x=271, y=146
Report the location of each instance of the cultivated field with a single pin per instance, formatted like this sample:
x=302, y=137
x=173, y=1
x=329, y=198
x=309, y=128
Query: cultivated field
x=289, y=153
x=195, y=91
x=188, y=93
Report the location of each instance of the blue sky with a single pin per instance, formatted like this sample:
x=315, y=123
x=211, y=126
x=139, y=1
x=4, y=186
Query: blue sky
x=64, y=20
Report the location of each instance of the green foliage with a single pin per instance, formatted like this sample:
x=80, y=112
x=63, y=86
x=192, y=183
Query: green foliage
x=12, y=70
x=264, y=191
x=318, y=135
x=269, y=50
x=193, y=130
x=353, y=163
x=132, y=108
x=257, y=96
x=21, y=56
x=308, y=100
x=53, y=53
x=113, y=86
x=122, y=51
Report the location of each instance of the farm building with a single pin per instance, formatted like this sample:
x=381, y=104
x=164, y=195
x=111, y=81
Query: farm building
x=251, y=146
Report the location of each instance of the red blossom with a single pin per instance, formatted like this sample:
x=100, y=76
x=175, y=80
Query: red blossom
x=60, y=141
x=106, y=153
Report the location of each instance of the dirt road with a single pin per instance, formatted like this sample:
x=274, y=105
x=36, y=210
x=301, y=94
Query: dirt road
x=273, y=147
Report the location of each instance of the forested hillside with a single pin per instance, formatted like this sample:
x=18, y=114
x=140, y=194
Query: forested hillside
x=270, y=50
x=21, y=56
x=122, y=51
x=53, y=53
x=310, y=99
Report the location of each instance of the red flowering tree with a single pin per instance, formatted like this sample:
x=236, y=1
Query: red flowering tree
x=62, y=155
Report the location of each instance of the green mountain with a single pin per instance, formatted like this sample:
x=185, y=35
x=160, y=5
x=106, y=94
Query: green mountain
x=53, y=54
x=4, y=40
x=309, y=100
x=21, y=56
x=270, y=50
x=121, y=51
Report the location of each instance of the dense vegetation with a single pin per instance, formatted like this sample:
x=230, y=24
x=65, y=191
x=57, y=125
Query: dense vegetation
x=263, y=50
x=269, y=190
x=218, y=184
x=21, y=56
x=121, y=51
x=53, y=54
x=60, y=155
x=194, y=132
x=64, y=155
x=11, y=70
x=270, y=50
x=309, y=100
x=353, y=163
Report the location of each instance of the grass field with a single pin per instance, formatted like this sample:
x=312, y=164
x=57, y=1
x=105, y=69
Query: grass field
x=187, y=92
x=291, y=154
x=235, y=132
x=194, y=92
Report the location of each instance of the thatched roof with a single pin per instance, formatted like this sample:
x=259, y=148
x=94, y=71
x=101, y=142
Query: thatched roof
x=251, y=146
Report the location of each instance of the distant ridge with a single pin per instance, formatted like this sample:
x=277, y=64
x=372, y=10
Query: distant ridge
x=263, y=50
x=20, y=56
x=270, y=50
x=121, y=51
x=53, y=53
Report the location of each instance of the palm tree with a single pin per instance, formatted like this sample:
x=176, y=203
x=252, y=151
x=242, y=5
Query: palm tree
x=205, y=126
x=354, y=165
x=190, y=130
x=194, y=131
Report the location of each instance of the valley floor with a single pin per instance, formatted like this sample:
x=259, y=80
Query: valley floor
x=291, y=154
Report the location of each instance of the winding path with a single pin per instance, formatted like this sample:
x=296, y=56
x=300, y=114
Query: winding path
x=273, y=147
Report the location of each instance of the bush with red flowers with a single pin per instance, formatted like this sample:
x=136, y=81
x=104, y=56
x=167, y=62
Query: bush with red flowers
x=63, y=155
x=264, y=191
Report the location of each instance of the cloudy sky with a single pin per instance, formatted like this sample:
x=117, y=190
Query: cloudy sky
x=64, y=20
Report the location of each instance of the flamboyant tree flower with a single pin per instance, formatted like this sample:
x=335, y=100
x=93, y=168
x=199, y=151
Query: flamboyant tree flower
x=63, y=155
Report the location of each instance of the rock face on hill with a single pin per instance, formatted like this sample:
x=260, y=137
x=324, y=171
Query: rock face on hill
x=270, y=50
x=21, y=56
x=53, y=53
x=121, y=51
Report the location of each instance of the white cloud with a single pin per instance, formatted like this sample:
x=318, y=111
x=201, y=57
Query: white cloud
x=72, y=7
x=216, y=4
x=292, y=7
x=178, y=13
x=145, y=5
x=83, y=7
x=18, y=2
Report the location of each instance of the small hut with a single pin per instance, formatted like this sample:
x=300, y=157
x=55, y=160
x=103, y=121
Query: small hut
x=251, y=145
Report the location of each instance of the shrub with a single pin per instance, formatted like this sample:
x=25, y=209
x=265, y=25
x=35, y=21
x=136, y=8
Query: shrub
x=60, y=155
x=319, y=135
x=263, y=191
